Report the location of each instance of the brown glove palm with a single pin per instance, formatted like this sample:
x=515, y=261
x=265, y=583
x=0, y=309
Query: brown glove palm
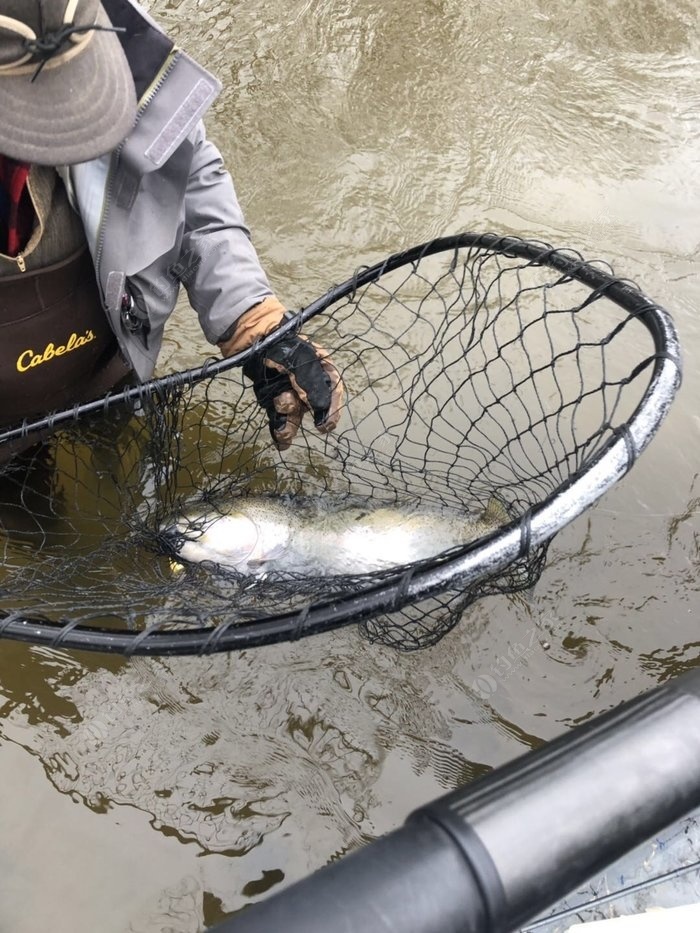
x=291, y=377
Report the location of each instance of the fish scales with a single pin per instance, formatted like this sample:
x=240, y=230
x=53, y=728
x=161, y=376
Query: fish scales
x=258, y=534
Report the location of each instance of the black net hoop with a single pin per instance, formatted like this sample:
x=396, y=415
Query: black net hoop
x=479, y=369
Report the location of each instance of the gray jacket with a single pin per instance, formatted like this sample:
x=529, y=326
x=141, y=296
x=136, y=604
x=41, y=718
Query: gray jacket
x=169, y=215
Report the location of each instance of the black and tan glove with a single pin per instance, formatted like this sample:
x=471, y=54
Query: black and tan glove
x=289, y=378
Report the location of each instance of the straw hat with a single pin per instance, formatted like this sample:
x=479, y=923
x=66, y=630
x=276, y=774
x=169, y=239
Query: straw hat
x=66, y=91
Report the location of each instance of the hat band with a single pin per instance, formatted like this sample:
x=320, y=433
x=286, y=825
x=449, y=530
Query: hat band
x=24, y=64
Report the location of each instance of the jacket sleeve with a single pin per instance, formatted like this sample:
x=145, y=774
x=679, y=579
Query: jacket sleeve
x=218, y=264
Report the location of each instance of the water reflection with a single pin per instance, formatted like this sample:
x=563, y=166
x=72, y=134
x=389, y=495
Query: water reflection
x=278, y=750
x=354, y=129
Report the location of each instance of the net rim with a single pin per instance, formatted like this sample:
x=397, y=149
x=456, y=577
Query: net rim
x=474, y=562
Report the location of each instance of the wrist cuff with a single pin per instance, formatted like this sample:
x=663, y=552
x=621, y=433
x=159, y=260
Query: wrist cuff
x=257, y=322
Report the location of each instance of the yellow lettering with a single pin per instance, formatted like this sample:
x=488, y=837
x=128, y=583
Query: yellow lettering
x=28, y=359
x=20, y=361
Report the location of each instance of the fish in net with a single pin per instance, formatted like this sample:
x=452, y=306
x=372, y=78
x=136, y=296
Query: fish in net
x=496, y=387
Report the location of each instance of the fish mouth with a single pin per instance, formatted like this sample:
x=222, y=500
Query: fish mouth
x=172, y=538
x=170, y=542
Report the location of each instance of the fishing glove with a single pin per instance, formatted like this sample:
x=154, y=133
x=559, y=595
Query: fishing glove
x=290, y=377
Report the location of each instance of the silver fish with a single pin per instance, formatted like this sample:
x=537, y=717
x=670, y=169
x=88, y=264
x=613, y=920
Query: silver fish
x=257, y=534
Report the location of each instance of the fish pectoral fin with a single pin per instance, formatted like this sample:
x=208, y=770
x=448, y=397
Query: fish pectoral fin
x=259, y=563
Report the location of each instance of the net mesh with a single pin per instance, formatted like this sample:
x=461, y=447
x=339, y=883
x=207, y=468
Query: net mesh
x=473, y=375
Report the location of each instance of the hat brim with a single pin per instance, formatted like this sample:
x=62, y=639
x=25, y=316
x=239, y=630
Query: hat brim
x=74, y=112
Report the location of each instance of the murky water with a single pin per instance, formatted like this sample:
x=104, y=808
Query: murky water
x=162, y=795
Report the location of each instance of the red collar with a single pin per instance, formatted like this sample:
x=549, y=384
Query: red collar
x=16, y=209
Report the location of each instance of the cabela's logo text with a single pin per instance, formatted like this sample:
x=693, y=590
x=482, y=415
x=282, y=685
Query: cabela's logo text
x=29, y=359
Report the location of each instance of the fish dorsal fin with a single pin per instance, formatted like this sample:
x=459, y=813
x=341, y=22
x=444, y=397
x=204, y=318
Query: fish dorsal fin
x=495, y=513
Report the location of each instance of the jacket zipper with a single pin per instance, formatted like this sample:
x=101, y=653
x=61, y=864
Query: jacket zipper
x=147, y=97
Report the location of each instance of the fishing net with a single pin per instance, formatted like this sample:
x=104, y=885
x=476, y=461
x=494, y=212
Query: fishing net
x=479, y=370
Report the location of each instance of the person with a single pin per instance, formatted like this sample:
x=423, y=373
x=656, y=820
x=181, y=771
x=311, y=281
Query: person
x=111, y=199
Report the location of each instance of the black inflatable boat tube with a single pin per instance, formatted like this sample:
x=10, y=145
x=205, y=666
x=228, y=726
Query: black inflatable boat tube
x=493, y=855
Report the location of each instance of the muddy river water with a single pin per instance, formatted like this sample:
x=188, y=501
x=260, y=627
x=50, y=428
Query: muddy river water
x=155, y=795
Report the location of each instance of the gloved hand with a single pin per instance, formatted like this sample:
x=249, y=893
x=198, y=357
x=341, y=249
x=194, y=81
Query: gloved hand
x=290, y=378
